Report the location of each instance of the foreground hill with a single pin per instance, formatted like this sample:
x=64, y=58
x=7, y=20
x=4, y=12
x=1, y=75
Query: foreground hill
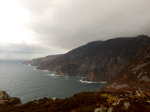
x=84, y=102
x=98, y=60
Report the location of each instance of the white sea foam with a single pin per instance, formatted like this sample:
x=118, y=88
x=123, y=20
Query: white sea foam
x=83, y=81
x=29, y=65
x=34, y=67
x=53, y=75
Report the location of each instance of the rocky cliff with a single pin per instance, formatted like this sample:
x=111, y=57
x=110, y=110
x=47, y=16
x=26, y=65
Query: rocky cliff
x=98, y=60
x=135, y=76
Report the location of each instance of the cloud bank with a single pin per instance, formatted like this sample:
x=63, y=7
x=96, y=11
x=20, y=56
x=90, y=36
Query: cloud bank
x=60, y=26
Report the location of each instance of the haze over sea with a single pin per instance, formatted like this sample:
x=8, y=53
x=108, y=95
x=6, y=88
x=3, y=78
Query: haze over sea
x=28, y=83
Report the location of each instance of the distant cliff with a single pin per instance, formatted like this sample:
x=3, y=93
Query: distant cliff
x=42, y=60
x=98, y=60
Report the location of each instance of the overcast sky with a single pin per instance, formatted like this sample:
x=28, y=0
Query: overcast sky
x=35, y=28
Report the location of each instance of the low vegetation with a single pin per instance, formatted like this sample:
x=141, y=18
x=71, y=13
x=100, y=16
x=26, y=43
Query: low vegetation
x=83, y=102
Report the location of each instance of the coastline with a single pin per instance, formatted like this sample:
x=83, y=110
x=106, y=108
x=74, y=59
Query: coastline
x=53, y=73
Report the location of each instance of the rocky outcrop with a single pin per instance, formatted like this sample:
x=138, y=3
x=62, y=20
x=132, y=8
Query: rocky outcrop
x=6, y=99
x=3, y=97
x=98, y=60
x=135, y=76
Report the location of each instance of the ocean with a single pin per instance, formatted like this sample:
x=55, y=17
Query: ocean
x=28, y=83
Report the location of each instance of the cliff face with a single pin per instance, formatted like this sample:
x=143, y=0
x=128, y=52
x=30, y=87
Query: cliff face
x=135, y=76
x=98, y=60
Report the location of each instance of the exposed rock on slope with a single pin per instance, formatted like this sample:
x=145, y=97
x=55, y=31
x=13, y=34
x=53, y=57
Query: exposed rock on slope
x=98, y=60
x=135, y=76
x=3, y=97
x=6, y=99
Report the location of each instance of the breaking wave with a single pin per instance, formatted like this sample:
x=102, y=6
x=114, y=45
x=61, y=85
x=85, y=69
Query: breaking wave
x=84, y=81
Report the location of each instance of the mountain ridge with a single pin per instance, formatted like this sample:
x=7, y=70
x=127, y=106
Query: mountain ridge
x=97, y=60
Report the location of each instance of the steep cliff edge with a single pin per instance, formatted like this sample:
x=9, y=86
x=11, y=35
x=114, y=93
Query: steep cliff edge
x=98, y=60
x=135, y=76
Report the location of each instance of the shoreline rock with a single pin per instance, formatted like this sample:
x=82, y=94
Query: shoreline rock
x=6, y=99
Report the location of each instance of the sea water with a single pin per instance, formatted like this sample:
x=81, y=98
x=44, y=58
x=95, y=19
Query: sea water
x=28, y=83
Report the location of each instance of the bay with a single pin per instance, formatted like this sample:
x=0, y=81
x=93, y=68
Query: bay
x=28, y=83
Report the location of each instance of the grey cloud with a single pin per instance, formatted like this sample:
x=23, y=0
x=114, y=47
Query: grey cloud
x=25, y=51
x=68, y=24
x=21, y=48
x=61, y=25
x=36, y=6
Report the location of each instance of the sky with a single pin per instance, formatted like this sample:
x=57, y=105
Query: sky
x=36, y=28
